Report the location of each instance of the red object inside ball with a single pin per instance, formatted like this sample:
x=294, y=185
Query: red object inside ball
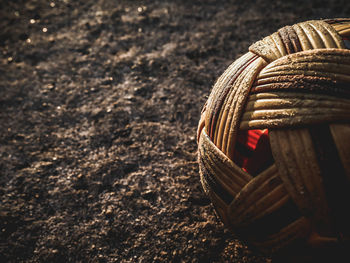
x=253, y=151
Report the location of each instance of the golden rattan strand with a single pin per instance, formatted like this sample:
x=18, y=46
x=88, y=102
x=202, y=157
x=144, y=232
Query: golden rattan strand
x=223, y=82
x=342, y=28
x=257, y=189
x=333, y=59
x=231, y=182
x=289, y=100
x=236, y=100
x=223, y=114
x=231, y=173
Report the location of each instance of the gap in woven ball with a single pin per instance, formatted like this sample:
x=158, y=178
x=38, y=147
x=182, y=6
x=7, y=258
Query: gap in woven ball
x=253, y=151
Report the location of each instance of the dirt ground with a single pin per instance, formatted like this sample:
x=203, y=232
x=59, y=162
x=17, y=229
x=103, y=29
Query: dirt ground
x=99, y=105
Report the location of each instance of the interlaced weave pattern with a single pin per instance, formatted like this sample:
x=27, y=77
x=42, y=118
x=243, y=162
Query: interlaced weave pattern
x=274, y=139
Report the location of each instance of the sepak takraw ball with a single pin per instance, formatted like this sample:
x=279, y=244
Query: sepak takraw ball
x=274, y=140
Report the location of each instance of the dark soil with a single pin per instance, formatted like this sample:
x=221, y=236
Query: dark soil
x=99, y=105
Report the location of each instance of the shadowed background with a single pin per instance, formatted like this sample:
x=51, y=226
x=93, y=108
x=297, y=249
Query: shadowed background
x=99, y=105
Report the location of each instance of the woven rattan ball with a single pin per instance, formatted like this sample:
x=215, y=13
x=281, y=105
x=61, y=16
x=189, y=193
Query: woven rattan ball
x=274, y=140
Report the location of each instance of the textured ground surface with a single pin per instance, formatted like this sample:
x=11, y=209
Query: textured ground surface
x=99, y=102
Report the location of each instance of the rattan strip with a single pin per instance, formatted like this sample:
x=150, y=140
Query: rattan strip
x=311, y=73
x=343, y=28
x=220, y=90
x=295, y=95
x=294, y=72
x=217, y=158
x=319, y=67
x=309, y=35
x=266, y=110
x=222, y=114
x=292, y=120
x=290, y=39
x=292, y=100
x=345, y=32
x=291, y=149
x=335, y=21
x=267, y=48
x=219, y=204
x=211, y=181
x=255, y=194
x=289, y=110
x=232, y=111
x=301, y=81
x=240, y=176
x=318, y=34
x=321, y=35
x=269, y=203
x=285, y=114
x=298, y=61
x=220, y=172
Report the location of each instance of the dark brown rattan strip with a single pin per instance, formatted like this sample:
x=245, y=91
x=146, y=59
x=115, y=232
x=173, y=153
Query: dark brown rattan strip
x=318, y=85
x=211, y=181
x=290, y=39
x=219, y=100
x=334, y=21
